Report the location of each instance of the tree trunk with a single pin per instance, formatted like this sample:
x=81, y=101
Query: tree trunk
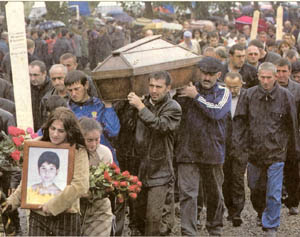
x=148, y=10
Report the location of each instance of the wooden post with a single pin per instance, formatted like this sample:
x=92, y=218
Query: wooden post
x=254, y=27
x=279, y=23
x=19, y=63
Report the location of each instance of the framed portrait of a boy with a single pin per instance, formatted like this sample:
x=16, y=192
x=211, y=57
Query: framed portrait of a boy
x=47, y=170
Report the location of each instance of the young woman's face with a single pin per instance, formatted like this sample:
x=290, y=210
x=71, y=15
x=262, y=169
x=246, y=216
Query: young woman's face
x=48, y=172
x=57, y=132
x=92, y=140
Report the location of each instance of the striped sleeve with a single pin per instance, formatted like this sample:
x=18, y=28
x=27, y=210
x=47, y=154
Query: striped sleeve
x=219, y=106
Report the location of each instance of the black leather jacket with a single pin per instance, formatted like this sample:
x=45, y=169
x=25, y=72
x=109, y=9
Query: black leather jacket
x=264, y=124
x=154, y=140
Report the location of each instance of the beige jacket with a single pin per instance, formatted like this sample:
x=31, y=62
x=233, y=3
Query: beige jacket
x=68, y=199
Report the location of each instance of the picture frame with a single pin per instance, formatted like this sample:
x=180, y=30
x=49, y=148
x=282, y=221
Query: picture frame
x=47, y=170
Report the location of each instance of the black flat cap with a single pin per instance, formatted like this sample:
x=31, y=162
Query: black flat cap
x=210, y=64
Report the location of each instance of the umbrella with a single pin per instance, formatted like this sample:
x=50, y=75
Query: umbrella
x=247, y=20
x=163, y=26
x=120, y=16
x=142, y=21
x=47, y=25
x=202, y=24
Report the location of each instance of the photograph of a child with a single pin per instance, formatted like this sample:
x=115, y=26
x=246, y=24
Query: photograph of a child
x=47, y=174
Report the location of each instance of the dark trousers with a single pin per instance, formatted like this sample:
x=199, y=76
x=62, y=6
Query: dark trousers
x=131, y=164
x=234, y=186
x=149, y=206
x=291, y=182
x=212, y=177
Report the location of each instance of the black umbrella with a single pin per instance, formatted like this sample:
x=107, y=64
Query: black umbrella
x=47, y=25
x=120, y=16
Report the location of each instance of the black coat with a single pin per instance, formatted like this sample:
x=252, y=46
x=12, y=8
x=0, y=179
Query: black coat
x=61, y=46
x=37, y=93
x=154, y=140
x=6, y=90
x=6, y=120
x=248, y=72
x=264, y=124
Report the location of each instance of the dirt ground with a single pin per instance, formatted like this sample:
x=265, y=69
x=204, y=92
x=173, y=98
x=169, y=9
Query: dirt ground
x=289, y=226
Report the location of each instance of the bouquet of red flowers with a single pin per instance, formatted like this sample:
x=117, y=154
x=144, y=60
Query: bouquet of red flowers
x=11, y=145
x=108, y=179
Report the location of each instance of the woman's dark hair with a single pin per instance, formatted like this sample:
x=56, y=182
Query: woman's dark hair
x=50, y=157
x=71, y=126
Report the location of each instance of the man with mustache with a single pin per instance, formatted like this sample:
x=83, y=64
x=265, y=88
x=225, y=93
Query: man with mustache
x=200, y=146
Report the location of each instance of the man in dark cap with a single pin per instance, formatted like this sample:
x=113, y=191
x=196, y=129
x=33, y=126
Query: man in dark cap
x=200, y=148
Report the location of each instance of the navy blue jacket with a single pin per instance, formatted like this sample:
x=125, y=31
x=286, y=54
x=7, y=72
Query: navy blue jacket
x=202, y=132
x=107, y=117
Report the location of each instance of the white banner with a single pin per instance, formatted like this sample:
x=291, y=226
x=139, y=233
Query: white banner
x=19, y=63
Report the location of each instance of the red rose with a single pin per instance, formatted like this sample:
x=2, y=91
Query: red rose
x=134, y=179
x=12, y=131
x=17, y=141
x=132, y=188
x=133, y=195
x=21, y=139
x=114, y=165
x=29, y=130
x=123, y=184
x=117, y=170
x=34, y=135
x=139, y=183
x=138, y=189
x=107, y=176
x=116, y=183
x=21, y=132
x=120, y=198
x=126, y=174
x=16, y=155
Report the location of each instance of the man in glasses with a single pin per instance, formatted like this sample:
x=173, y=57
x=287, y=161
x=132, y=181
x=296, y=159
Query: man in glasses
x=200, y=149
x=57, y=74
x=40, y=85
x=237, y=59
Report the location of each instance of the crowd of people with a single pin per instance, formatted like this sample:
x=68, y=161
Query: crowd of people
x=239, y=115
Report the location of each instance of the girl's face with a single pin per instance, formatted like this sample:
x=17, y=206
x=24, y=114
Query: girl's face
x=57, y=132
x=48, y=173
x=92, y=140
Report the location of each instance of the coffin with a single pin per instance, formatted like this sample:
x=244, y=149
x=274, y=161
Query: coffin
x=127, y=68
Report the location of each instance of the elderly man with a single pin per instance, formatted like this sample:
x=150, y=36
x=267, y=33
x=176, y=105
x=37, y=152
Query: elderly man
x=40, y=85
x=234, y=168
x=291, y=170
x=252, y=56
x=237, y=58
x=200, y=149
x=189, y=43
x=157, y=118
x=266, y=126
x=58, y=74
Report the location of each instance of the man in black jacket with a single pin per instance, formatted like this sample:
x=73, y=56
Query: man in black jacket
x=291, y=170
x=234, y=169
x=61, y=46
x=158, y=117
x=40, y=85
x=266, y=126
x=237, y=58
